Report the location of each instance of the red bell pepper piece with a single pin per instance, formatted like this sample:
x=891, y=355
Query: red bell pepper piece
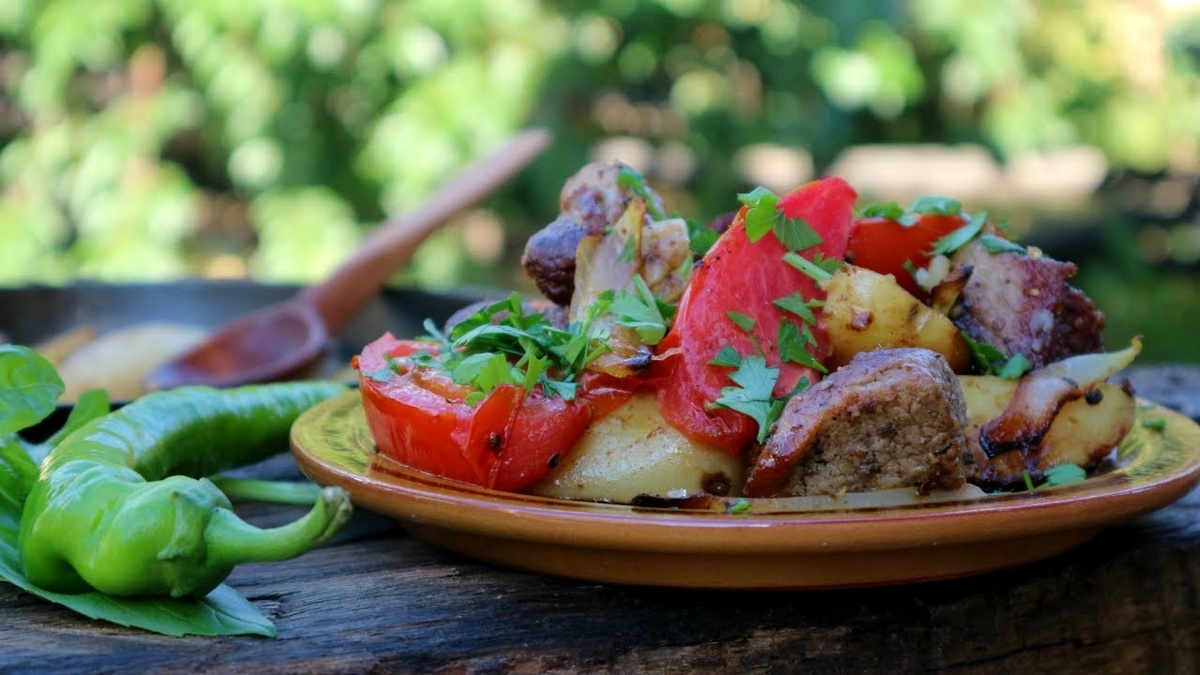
x=737, y=275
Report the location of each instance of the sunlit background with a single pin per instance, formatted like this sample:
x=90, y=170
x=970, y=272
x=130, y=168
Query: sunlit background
x=225, y=138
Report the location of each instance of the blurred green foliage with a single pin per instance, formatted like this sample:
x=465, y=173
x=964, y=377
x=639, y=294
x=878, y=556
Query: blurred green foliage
x=156, y=139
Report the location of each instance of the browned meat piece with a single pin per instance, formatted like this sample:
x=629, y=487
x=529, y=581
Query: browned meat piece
x=890, y=418
x=1024, y=305
x=595, y=198
x=591, y=200
x=549, y=258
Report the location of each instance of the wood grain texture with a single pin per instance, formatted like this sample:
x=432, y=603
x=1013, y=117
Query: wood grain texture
x=376, y=601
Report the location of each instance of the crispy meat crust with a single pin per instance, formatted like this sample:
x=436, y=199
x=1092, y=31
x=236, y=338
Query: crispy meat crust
x=1024, y=305
x=890, y=418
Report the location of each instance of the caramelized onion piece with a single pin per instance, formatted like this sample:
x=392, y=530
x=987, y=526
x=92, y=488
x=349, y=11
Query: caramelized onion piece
x=943, y=296
x=1041, y=393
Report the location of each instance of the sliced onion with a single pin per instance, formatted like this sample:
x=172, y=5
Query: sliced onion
x=1041, y=394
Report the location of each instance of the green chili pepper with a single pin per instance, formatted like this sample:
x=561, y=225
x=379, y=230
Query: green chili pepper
x=122, y=506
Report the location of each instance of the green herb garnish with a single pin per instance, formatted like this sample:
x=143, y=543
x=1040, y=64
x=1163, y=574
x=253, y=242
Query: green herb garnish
x=995, y=244
x=763, y=216
x=753, y=394
x=992, y=361
x=959, y=238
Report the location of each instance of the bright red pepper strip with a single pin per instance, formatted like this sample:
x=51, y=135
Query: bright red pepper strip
x=737, y=275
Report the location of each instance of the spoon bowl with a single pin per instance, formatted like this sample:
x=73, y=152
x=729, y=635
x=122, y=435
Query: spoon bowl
x=285, y=341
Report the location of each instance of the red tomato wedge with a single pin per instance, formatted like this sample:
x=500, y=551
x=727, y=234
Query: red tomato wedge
x=509, y=440
x=884, y=245
x=746, y=277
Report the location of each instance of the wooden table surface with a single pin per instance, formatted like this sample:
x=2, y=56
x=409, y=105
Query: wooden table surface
x=376, y=601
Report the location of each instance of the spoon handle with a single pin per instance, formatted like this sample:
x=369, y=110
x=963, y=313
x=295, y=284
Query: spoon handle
x=393, y=243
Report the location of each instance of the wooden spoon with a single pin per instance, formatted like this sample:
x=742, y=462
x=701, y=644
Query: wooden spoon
x=285, y=340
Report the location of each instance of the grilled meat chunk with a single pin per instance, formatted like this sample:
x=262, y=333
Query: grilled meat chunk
x=1023, y=305
x=591, y=200
x=890, y=418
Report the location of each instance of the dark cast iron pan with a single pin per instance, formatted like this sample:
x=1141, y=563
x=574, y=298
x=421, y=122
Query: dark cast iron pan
x=32, y=314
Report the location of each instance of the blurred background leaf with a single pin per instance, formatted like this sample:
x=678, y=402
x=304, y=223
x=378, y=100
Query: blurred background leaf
x=223, y=138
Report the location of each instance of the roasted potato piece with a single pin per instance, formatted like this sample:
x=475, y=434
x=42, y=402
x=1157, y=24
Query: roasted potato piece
x=866, y=310
x=633, y=451
x=1082, y=433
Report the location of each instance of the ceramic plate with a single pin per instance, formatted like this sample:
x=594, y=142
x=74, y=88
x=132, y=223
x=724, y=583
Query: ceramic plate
x=712, y=548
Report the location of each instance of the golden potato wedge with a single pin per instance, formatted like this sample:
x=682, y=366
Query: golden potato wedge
x=1082, y=433
x=633, y=451
x=866, y=310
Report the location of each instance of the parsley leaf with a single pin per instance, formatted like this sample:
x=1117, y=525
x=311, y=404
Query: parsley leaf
x=752, y=397
x=1064, y=474
x=762, y=213
x=793, y=346
x=932, y=205
x=743, y=321
x=796, y=304
x=891, y=211
x=992, y=361
x=728, y=356
x=631, y=179
x=642, y=311
x=796, y=234
x=995, y=244
x=958, y=238
x=820, y=269
x=700, y=237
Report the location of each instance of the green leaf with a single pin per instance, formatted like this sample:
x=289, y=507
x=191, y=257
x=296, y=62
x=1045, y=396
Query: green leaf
x=701, y=237
x=812, y=268
x=752, y=397
x=633, y=180
x=796, y=234
x=1064, y=474
x=741, y=320
x=762, y=213
x=796, y=304
x=90, y=405
x=958, y=238
x=728, y=356
x=933, y=205
x=992, y=361
x=1014, y=367
x=641, y=311
x=890, y=211
x=29, y=388
x=995, y=244
x=793, y=347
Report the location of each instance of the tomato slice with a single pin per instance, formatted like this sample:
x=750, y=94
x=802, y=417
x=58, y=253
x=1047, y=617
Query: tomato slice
x=509, y=440
x=747, y=277
x=884, y=245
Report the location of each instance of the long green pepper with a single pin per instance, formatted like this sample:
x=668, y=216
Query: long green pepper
x=122, y=506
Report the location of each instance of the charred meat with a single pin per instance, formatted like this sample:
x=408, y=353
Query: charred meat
x=590, y=202
x=890, y=418
x=1022, y=304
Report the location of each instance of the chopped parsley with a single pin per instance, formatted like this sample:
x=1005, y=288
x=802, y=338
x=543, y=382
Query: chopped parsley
x=501, y=344
x=743, y=321
x=959, y=238
x=796, y=304
x=931, y=205
x=820, y=269
x=642, y=311
x=995, y=244
x=753, y=394
x=700, y=237
x=992, y=361
x=763, y=216
x=631, y=179
x=890, y=211
x=1159, y=425
x=793, y=346
x=1064, y=474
